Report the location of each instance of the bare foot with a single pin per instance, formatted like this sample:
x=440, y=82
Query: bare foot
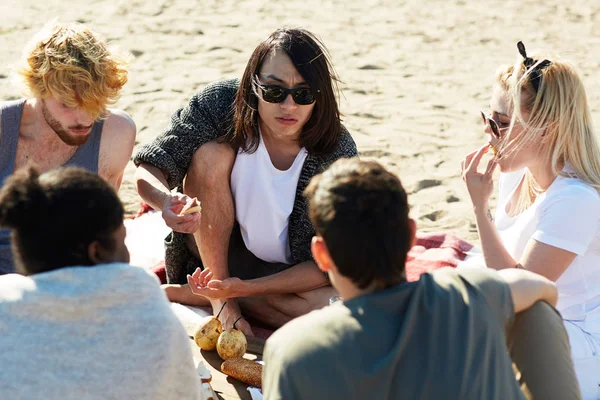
x=231, y=312
x=183, y=295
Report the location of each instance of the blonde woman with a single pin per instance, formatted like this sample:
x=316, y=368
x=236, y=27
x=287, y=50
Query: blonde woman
x=548, y=215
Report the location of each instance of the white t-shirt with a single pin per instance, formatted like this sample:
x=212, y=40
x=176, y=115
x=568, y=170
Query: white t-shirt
x=264, y=199
x=566, y=216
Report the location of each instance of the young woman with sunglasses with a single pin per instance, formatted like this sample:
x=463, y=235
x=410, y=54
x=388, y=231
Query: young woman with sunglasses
x=247, y=149
x=548, y=213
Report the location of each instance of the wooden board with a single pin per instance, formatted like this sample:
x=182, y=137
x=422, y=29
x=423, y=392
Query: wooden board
x=225, y=387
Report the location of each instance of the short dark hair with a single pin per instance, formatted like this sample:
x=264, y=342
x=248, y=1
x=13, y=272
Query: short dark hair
x=361, y=211
x=323, y=130
x=55, y=216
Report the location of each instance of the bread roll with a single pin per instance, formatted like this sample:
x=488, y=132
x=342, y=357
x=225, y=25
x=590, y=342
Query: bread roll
x=249, y=372
x=191, y=206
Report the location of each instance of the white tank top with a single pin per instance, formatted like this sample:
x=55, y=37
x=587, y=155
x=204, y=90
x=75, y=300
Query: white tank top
x=264, y=198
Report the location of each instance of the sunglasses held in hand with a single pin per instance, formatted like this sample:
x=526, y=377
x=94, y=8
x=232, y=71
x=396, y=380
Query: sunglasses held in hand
x=278, y=94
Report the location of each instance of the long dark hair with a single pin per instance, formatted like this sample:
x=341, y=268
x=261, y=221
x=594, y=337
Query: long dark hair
x=322, y=131
x=56, y=216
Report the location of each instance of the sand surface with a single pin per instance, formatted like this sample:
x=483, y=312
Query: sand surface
x=415, y=73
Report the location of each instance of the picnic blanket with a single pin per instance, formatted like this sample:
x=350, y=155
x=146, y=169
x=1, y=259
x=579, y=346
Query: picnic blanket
x=146, y=232
x=434, y=251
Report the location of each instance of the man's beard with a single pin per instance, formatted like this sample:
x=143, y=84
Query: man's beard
x=64, y=135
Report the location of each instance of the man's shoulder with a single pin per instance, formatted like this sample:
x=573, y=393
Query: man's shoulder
x=474, y=287
x=116, y=145
x=12, y=103
x=310, y=336
x=479, y=277
x=119, y=123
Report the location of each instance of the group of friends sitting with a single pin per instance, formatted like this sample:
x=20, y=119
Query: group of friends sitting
x=290, y=218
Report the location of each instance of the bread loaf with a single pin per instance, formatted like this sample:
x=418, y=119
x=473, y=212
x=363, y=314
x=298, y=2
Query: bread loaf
x=191, y=206
x=249, y=372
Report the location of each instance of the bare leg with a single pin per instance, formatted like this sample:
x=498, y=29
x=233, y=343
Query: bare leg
x=208, y=179
x=276, y=310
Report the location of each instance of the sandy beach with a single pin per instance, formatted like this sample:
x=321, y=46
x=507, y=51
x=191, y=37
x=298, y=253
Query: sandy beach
x=414, y=73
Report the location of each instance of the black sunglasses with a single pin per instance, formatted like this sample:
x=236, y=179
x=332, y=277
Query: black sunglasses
x=278, y=94
x=493, y=124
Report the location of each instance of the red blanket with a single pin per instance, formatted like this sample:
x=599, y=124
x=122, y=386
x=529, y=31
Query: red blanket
x=434, y=251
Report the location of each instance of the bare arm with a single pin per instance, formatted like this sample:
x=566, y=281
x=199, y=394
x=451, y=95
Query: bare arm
x=541, y=258
x=299, y=278
x=494, y=252
x=151, y=184
x=538, y=257
x=527, y=288
x=116, y=146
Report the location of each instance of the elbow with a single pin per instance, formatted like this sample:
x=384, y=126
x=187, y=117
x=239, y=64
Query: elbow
x=146, y=175
x=139, y=178
x=551, y=294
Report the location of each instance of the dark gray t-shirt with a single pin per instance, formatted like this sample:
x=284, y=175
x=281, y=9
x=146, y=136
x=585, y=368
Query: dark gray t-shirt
x=442, y=337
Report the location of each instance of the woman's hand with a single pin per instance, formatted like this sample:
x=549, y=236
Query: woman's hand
x=188, y=223
x=202, y=284
x=479, y=185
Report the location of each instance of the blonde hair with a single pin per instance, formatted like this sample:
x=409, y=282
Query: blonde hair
x=558, y=118
x=69, y=62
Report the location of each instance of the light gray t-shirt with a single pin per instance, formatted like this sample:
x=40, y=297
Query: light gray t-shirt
x=102, y=332
x=442, y=337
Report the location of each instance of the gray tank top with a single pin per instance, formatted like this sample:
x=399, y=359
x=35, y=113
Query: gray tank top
x=86, y=157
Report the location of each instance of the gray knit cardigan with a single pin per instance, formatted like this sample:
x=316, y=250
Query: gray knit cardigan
x=209, y=116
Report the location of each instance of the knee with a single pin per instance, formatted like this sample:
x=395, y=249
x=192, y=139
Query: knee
x=539, y=317
x=297, y=304
x=211, y=164
x=290, y=304
x=540, y=311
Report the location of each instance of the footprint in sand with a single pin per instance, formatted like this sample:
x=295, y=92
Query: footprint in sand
x=427, y=183
x=366, y=115
x=433, y=216
x=375, y=153
x=370, y=67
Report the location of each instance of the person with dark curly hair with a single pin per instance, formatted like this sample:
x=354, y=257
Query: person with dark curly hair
x=71, y=326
